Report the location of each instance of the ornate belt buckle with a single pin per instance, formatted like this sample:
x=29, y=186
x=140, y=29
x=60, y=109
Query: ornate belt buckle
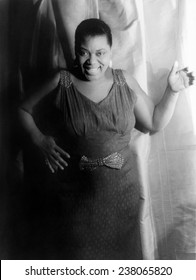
x=114, y=161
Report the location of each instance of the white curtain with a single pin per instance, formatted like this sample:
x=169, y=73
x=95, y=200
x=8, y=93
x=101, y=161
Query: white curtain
x=172, y=161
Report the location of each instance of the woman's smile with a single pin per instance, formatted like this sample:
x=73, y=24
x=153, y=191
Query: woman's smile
x=94, y=56
x=92, y=70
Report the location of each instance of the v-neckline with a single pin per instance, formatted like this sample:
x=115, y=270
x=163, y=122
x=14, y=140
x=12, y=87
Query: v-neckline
x=102, y=100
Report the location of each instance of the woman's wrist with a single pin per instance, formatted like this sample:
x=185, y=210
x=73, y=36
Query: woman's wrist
x=37, y=137
x=172, y=91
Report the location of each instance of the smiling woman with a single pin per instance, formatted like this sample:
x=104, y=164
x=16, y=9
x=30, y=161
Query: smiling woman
x=93, y=60
x=94, y=56
x=82, y=140
x=88, y=155
x=93, y=46
x=93, y=52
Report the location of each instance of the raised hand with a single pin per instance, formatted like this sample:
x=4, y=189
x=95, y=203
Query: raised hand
x=179, y=79
x=52, y=153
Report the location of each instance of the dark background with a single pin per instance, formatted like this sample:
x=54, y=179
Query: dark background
x=17, y=18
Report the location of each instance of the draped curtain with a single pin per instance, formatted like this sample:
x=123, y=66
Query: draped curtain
x=149, y=35
x=172, y=161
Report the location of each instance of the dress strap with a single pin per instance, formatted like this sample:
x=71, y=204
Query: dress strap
x=65, y=79
x=121, y=81
x=119, y=77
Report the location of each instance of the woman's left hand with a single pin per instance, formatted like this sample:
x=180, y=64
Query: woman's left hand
x=179, y=79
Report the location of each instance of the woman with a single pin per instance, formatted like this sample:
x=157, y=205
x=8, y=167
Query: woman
x=83, y=135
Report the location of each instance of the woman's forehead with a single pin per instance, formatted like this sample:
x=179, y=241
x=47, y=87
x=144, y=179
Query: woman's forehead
x=99, y=40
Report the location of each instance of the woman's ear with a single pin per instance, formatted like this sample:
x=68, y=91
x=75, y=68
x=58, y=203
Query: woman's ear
x=110, y=63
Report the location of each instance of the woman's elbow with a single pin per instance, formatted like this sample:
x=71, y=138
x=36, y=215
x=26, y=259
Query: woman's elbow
x=155, y=128
x=24, y=110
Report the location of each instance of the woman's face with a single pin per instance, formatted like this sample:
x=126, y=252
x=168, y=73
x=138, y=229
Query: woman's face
x=94, y=56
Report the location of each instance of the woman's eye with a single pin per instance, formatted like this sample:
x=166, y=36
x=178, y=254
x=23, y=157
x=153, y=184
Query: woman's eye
x=83, y=53
x=100, y=53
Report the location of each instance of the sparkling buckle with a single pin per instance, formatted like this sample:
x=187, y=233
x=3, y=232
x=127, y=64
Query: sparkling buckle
x=114, y=161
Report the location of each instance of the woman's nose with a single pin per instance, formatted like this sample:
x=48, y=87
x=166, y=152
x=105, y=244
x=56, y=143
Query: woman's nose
x=92, y=58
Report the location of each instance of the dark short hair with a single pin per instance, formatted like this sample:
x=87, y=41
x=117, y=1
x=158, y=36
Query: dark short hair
x=92, y=27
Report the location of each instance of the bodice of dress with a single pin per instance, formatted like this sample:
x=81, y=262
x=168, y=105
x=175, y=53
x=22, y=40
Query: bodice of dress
x=95, y=129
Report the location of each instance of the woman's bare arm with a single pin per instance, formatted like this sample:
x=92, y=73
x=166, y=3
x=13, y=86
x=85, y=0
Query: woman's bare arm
x=155, y=117
x=46, y=144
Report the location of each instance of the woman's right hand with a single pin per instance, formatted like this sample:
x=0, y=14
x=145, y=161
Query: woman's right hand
x=52, y=153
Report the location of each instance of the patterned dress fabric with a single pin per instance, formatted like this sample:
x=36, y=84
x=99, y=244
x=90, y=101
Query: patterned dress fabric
x=90, y=214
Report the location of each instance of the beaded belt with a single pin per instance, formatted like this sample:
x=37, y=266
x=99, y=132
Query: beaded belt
x=114, y=160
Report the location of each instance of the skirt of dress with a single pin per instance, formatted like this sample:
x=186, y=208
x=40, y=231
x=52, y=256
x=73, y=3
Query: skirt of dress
x=93, y=215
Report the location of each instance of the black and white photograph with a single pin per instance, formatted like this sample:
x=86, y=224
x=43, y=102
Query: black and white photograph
x=97, y=130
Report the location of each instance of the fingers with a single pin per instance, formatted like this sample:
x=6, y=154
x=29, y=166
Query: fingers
x=54, y=163
x=188, y=76
x=53, y=155
x=191, y=78
x=191, y=82
x=185, y=69
x=58, y=161
x=62, y=151
x=61, y=161
x=49, y=165
x=185, y=79
x=56, y=151
x=57, y=154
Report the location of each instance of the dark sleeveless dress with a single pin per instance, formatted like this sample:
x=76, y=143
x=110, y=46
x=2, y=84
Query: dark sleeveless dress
x=92, y=214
